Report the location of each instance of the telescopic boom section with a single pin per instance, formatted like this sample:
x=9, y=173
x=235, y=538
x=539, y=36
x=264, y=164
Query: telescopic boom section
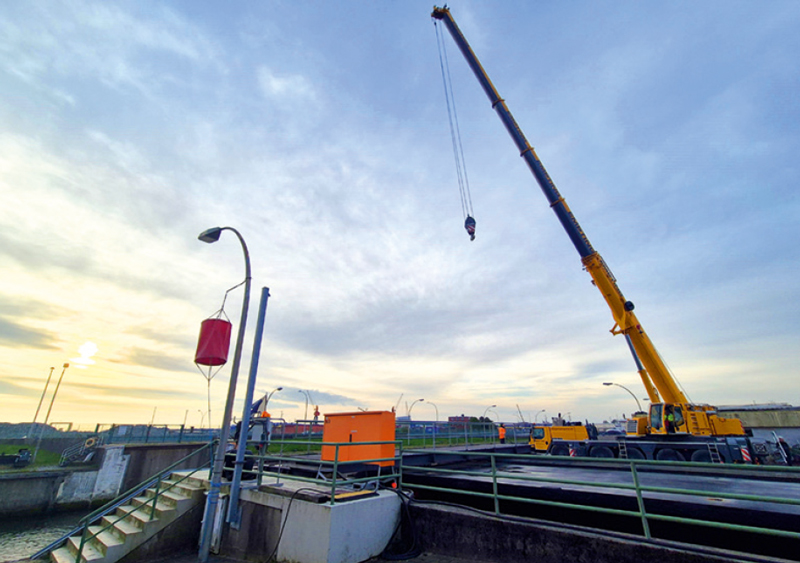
x=660, y=381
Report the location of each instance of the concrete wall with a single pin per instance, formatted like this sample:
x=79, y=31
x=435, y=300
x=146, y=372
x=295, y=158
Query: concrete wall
x=29, y=493
x=118, y=469
x=85, y=488
x=42, y=491
x=147, y=460
x=313, y=532
x=467, y=536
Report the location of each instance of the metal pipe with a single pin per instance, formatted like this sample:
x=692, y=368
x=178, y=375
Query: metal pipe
x=234, y=512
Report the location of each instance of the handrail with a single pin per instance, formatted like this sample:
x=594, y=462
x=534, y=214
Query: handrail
x=144, y=484
x=496, y=476
x=120, y=500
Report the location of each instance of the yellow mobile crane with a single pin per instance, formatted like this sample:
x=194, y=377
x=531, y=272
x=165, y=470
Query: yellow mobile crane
x=674, y=428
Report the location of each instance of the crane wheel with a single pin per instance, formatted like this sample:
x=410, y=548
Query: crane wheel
x=560, y=450
x=668, y=454
x=701, y=456
x=636, y=453
x=601, y=451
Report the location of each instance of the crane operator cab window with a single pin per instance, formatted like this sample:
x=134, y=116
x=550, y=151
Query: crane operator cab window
x=678, y=417
x=673, y=418
x=656, y=414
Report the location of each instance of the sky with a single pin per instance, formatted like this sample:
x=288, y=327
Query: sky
x=319, y=131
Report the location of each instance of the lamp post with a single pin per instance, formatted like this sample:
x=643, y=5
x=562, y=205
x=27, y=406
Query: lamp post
x=210, y=236
x=36, y=415
x=435, y=424
x=305, y=412
x=412, y=406
x=269, y=395
x=202, y=417
x=487, y=410
x=638, y=405
x=47, y=416
x=536, y=416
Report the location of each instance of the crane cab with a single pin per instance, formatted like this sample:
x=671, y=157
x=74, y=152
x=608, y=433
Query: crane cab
x=698, y=420
x=667, y=418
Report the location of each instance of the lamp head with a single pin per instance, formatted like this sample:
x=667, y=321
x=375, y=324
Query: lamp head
x=210, y=235
x=279, y=389
x=420, y=400
x=606, y=383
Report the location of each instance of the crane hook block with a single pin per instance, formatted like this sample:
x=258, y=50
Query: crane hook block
x=469, y=224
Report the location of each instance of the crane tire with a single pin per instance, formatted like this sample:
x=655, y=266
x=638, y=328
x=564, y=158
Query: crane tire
x=601, y=451
x=701, y=456
x=668, y=454
x=90, y=442
x=561, y=450
x=636, y=453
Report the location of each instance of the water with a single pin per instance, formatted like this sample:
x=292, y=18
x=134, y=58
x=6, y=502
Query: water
x=24, y=536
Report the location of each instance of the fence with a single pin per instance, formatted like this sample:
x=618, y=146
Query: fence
x=500, y=474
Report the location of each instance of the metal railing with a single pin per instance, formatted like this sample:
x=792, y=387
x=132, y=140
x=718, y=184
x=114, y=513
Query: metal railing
x=415, y=433
x=328, y=472
x=154, y=433
x=497, y=477
x=121, y=500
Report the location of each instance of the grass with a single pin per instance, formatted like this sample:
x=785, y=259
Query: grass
x=44, y=458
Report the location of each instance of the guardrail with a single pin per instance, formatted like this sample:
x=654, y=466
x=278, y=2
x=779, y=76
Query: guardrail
x=417, y=433
x=328, y=476
x=154, y=433
x=498, y=477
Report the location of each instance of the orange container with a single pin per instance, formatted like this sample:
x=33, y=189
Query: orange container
x=361, y=426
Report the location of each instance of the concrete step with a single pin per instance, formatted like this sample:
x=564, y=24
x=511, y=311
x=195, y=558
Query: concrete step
x=185, y=488
x=161, y=507
x=107, y=543
x=131, y=525
x=193, y=478
x=62, y=555
x=89, y=553
x=120, y=528
x=134, y=517
x=169, y=497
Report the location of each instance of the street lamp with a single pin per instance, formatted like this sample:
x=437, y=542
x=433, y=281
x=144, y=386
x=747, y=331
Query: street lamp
x=536, y=416
x=305, y=394
x=638, y=405
x=47, y=416
x=435, y=424
x=268, y=396
x=210, y=236
x=437, y=410
x=202, y=417
x=35, y=416
x=487, y=410
x=412, y=406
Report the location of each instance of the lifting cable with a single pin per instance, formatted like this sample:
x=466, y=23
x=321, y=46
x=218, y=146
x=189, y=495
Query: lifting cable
x=455, y=135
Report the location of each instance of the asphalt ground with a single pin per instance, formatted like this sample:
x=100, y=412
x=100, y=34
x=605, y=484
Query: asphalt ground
x=422, y=558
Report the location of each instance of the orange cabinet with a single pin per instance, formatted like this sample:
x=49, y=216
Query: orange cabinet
x=363, y=426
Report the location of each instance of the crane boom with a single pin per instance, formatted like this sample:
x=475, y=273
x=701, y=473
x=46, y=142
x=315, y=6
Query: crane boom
x=655, y=375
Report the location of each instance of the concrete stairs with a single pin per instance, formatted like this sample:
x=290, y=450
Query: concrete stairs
x=117, y=534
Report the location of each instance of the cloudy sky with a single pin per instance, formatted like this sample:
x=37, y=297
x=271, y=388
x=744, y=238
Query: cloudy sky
x=319, y=130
